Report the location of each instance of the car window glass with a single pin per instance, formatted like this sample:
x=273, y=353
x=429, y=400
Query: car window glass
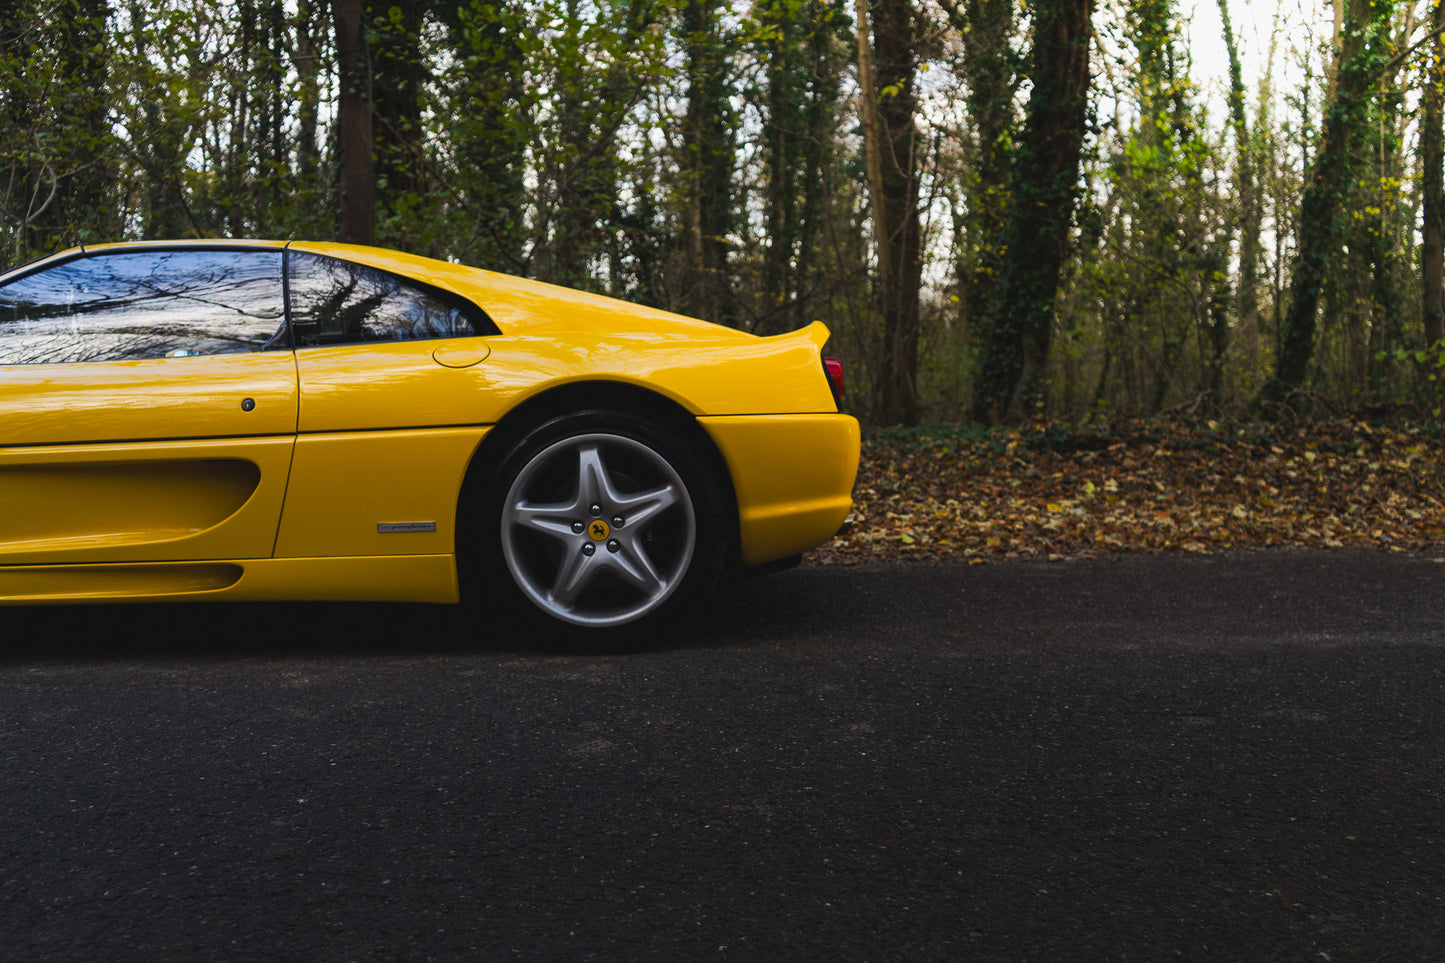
x=142, y=304
x=339, y=302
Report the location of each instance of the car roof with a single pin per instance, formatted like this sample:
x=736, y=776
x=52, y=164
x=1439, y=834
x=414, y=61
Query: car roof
x=512, y=302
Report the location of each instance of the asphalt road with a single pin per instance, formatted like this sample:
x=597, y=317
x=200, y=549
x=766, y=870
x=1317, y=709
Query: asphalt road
x=1210, y=759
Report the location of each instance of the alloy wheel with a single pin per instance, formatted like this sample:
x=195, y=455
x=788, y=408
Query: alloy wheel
x=598, y=530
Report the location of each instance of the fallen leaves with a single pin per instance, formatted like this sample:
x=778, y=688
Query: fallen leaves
x=966, y=493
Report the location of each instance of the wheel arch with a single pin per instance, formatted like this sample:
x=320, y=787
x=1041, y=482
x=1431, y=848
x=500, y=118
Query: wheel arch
x=574, y=397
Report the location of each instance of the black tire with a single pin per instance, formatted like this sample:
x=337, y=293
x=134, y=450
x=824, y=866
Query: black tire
x=557, y=553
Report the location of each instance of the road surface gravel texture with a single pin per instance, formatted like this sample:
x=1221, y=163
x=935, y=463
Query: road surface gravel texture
x=1224, y=758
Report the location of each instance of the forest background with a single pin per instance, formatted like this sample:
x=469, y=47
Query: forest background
x=1006, y=210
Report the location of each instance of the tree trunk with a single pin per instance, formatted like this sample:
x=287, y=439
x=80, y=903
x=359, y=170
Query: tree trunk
x=160, y=152
x=1327, y=182
x=353, y=125
x=308, y=72
x=893, y=182
x=398, y=75
x=276, y=106
x=817, y=170
x=986, y=28
x=591, y=105
x=1380, y=297
x=88, y=213
x=1044, y=186
x=872, y=151
x=1432, y=159
x=800, y=69
x=1246, y=223
x=707, y=164
x=781, y=137
x=491, y=137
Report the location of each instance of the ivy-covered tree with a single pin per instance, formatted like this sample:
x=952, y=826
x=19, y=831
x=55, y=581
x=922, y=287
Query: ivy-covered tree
x=799, y=46
x=707, y=161
x=1363, y=51
x=990, y=66
x=354, y=139
x=1432, y=175
x=489, y=109
x=1044, y=187
x=888, y=62
x=57, y=157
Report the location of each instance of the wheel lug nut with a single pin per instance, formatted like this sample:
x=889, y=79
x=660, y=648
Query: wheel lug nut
x=613, y=545
x=578, y=527
x=588, y=548
x=616, y=521
x=596, y=511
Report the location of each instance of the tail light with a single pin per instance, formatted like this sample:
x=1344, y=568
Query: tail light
x=833, y=368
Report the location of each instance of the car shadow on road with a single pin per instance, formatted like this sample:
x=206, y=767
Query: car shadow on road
x=806, y=602
x=219, y=630
x=741, y=613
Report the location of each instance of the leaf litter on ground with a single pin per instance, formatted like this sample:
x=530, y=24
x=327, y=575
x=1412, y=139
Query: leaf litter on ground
x=1049, y=491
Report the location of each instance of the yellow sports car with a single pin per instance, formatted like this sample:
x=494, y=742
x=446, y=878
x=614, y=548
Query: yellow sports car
x=271, y=420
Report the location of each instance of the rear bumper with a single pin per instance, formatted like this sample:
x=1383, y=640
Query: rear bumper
x=793, y=475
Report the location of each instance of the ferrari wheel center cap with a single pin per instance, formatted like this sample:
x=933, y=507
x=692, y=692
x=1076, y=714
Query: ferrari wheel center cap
x=598, y=530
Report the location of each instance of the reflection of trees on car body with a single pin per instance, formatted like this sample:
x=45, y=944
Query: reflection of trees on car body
x=134, y=305
x=336, y=301
x=153, y=304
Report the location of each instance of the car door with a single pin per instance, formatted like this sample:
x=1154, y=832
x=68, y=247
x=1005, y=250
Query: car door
x=391, y=410
x=148, y=402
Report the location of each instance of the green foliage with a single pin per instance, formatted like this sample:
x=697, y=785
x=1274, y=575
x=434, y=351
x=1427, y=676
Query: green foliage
x=1363, y=55
x=1044, y=186
x=55, y=157
x=707, y=158
x=800, y=47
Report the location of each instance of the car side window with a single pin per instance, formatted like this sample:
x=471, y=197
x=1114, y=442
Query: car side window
x=131, y=305
x=340, y=302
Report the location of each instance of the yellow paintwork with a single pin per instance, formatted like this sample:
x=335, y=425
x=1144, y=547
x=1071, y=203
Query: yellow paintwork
x=147, y=501
x=784, y=512
x=155, y=462
x=552, y=335
x=396, y=578
x=386, y=578
x=197, y=397
x=110, y=583
x=461, y=352
x=400, y=385
x=343, y=485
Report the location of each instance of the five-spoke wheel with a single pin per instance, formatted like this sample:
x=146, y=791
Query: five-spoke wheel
x=600, y=522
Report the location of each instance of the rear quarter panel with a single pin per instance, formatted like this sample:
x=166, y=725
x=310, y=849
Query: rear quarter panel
x=764, y=402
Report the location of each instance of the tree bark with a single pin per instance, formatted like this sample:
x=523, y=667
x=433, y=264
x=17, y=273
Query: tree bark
x=868, y=97
x=160, y=152
x=1044, y=186
x=308, y=72
x=815, y=178
x=986, y=28
x=1246, y=220
x=88, y=212
x=398, y=75
x=780, y=137
x=707, y=163
x=893, y=182
x=1432, y=159
x=276, y=106
x=353, y=125
x=491, y=138
x=1327, y=182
